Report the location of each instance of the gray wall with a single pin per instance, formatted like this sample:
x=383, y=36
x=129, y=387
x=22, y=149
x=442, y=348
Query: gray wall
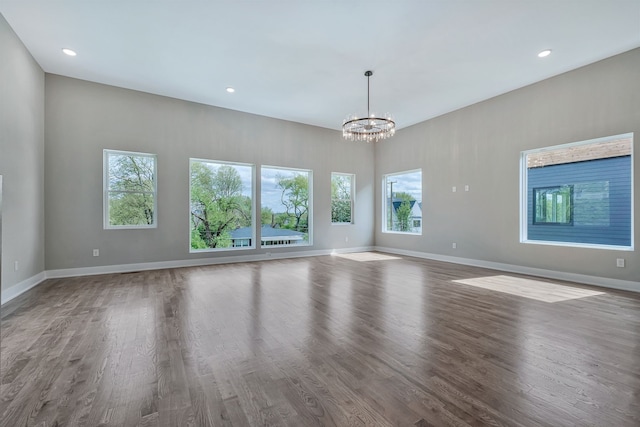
x=21, y=159
x=480, y=146
x=84, y=118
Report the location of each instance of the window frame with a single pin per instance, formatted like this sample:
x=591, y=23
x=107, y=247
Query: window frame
x=253, y=206
x=106, y=153
x=524, y=215
x=309, y=208
x=385, y=217
x=352, y=197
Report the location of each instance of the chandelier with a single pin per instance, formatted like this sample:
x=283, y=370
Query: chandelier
x=370, y=128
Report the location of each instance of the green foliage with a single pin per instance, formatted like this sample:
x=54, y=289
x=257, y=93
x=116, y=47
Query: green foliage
x=130, y=209
x=341, y=198
x=295, y=199
x=217, y=205
x=197, y=242
x=402, y=214
x=280, y=220
x=404, y=196
x=267, y=217
x=131, y=189
x=341, y=211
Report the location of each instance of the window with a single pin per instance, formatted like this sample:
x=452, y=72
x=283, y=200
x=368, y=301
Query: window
x=221, y=205
x=402, y=202
x=342, y=200
x=130, y=199
x=552, y=205
x=579, y=194
x=286, y=206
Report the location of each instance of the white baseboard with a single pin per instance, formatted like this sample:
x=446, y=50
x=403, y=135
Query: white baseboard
x=25, y=285
x=625, y=285
x=22, y=287
x=127, y=268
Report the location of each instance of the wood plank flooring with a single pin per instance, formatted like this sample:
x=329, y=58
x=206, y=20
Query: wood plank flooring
x=321, y=341
x=529, y=288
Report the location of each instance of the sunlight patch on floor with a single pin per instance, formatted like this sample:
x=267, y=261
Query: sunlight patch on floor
x=528, y=288
x=367, y=256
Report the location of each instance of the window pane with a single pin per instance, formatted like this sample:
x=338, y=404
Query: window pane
x=129, y=172
x=130, y=208
x=221, y=205
x=342, y=198
x=130, y=189
x=403, y=202
x=553, y=205
x=285, y=213
x=580, y=193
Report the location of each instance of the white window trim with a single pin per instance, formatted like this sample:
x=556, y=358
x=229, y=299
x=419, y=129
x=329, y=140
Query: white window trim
x=253, y=207
x=105, y=190
x=309, y=213
x=385, y=209
x=352, y=195
x=524, y=226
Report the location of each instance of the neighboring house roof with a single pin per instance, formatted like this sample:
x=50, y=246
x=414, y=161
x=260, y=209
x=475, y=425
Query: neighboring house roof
x=266, y=232
x=398, y=202
x=242, y=233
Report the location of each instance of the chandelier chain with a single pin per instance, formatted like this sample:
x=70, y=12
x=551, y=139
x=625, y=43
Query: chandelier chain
x=368, y=74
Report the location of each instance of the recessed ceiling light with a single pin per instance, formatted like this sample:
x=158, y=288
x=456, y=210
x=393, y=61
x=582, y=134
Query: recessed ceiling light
x=69, y=52
x=230, y=90
x=544, y=53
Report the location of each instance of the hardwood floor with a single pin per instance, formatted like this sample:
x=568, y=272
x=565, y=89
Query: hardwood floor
x=333, y=341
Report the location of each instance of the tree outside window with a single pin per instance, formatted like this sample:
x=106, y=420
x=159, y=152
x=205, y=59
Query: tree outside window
x=286, y=206
x=130, y=189
x=403, y=211
x=221, y=205
x=402, y=202
x=342, y=198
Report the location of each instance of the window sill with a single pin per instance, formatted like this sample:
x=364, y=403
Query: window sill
x=406, y=233
x=578, y=245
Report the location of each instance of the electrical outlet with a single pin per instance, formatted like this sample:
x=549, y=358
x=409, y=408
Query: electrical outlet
x=454, y=245
x=15, y=266
x=620, y=262
x=453, y=189
x=466, y=188
x=346, y=239
x=96, y=252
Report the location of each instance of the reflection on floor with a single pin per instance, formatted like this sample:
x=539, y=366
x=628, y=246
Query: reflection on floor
x=527, y=288
x=367, y=256
x=318, y=341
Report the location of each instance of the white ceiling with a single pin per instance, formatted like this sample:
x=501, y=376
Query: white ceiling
x=305, y=60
